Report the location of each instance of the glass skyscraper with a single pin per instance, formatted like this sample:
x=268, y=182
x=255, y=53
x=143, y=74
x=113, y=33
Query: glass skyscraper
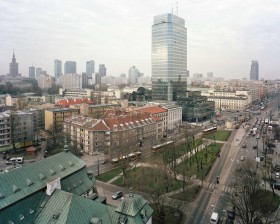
x=254, y=73
x=90, y=68
x=57, y=69
x=169, y=57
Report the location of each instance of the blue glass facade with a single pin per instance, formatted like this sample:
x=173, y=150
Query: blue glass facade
x=169, y=57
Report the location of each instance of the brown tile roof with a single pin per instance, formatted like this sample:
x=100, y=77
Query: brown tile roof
x=153, y=110
x=66, y=103
x=121, y=122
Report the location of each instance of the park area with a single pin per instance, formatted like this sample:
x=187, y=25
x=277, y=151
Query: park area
x=162, y=172
x=221, y=135
x=170, y=172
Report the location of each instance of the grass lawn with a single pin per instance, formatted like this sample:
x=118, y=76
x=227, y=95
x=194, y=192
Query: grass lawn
x=200, y=163
x=221, y=135
x=105, y=177
x=170, y=153
x=268, y=198
x=139, y=173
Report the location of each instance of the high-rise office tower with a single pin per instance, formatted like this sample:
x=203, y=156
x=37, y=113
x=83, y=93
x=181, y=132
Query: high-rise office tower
x=133, y=74
x=14, y=66
x=90, y=68
x=254, y=73
x=70, y=67
x=169, y=57
x=32, y=72
x=38, y=71
x=57, y=69
x=102, y=70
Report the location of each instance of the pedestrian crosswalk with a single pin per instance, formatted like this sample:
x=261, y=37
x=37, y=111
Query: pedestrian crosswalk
x=211, y=186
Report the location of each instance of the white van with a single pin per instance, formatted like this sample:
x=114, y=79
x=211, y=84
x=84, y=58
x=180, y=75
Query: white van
x=214, y=218
x=16, y=160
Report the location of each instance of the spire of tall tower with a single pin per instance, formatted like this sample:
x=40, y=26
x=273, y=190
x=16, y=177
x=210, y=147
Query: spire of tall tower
x=14, y=53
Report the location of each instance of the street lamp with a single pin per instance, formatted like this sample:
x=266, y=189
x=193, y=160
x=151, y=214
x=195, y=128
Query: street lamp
x=257, y=147
x=98, y=165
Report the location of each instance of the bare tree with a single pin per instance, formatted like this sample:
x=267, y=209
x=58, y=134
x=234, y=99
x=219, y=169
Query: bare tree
x=156, y=182
x=21, y=103
x=249, y=199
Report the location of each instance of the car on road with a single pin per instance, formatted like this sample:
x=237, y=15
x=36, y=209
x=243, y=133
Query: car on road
x=15, y=160
x=277, y=175
x=276, y=186
x=242, y=158
x=117, y=195
x=244, y=146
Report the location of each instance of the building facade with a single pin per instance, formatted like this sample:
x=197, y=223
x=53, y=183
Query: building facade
x=14, y=66
x=102, y=70
x=44, y=81
x=169, y=57
x=32, y=73
x=133, y=74
x=90, y=68
x=115, y=135
x=254, y=73
x=57, y=69
x=70, y=67
x=54, y=118
x=71, y=81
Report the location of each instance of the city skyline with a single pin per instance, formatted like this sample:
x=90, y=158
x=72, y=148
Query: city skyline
x=222, y=38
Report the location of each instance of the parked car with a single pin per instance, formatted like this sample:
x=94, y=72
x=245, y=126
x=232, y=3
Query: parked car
x=16, y=160
x=117, y=195
x=276, y=186
x=277, y=175
x=254, y=146
x=242, y=158
x=244, y=146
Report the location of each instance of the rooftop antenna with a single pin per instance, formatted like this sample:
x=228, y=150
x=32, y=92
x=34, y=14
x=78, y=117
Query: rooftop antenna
x=176, y=8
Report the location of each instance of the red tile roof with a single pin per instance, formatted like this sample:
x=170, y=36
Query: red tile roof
x=122, y=122
x=153, y=110
x=67, y=103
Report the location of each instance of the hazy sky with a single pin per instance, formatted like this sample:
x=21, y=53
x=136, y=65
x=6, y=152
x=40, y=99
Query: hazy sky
x=224, y=36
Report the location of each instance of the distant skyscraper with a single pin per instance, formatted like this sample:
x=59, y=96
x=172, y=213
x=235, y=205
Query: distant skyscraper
x=90, y=68
x=57, y=69
x=97, y=77
x=38, y=71
x=14, y=66
x=32, y=72
x=133, y=74
x=70, y=67
x=102, y=70
x=254, y=73
x=169, y=57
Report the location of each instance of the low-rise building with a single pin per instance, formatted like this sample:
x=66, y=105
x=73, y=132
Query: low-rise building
x=54, y=118
x=115, y=134
x=16, y=128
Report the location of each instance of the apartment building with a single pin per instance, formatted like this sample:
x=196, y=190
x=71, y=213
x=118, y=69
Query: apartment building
x=174, y=116
x=16, y=128
x=5, y=129
x=157, y=111
x=114, y=135
x=54, y=117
